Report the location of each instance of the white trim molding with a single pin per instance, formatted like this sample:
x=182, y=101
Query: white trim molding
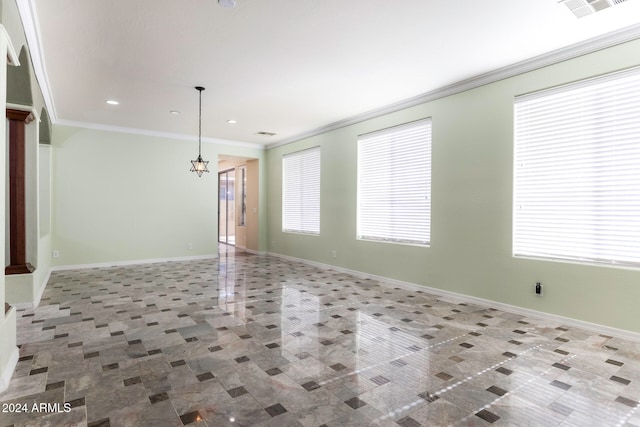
x=595, y=44
x=457, y=298
x=132, y=262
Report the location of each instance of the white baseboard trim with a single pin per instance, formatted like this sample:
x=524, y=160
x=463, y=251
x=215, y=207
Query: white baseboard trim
x=251, y=251
x=561, y=320
x=39, y=292
x=8, y=370
x=133, y=262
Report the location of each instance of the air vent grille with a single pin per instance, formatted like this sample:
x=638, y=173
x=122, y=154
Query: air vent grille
x=263, y=133
x=582, y=8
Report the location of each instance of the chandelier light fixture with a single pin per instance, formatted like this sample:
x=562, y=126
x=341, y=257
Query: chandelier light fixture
x=199, y=166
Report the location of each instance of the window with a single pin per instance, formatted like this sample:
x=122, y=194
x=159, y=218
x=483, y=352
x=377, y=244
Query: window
x=301, y=191
x=577, y=171
x=394, y=184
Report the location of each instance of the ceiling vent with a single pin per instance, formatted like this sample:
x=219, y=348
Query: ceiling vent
x=263, y=133
x=582, y=8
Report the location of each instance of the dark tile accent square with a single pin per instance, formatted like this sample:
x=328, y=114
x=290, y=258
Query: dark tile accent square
x=338, y=367
x=326, y=342
x=132, y=381
x=497, y=390
x=241, y=359
x=444, y=376
x=614, y=362
x=355, y=403
x=408, y=422
x=380, y=380
x=154, y=351
x=245, y=336
x=158, y=397
x=190, y=417
x=518, y=331
x=273, y=371
x=178, y=363
x=53, y=386
x=76, y=402
x=23, y=358
x=466, y=345
x=61, y=336
x=626, y=401
x=509, y=354
x=271, y=326
x=427, y=336
x=346, y=331
x=92, y=354
x=399, y=363
x=134, y=342
x=620, y=380
x=489, y=417
x=215, y=348
x=297, y=334
x=562, y=352
x=515, y=342
x=560, y=385
x=191, y=339
x=484, y=325
x=504, y=370
x=205, y=376
x=100, y=423
x=170, y=331
x=109, y=367
x=238, y=391
x=272, y=345
x=74, y=344
x=406, y=320
x=561, y=339
x=38, y=371
x=102, y=325
x=336, y=316
x=414, y=348
x=311, y=385
x=561, y=366
x=275, y=410
x=475, y=334
x=116, y=333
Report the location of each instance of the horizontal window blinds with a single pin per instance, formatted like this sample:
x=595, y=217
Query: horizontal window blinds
x=301, y=191
x=394, y=184
x=577, y=172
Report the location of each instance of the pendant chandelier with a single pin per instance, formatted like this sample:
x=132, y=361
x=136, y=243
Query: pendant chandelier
x=199, y=166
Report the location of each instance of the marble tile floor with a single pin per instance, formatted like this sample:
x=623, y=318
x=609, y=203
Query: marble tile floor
x=248, y=340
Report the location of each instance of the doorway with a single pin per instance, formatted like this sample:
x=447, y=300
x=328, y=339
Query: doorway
x=227, y=207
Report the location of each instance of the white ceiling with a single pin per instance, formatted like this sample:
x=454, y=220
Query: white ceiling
x=283, y=66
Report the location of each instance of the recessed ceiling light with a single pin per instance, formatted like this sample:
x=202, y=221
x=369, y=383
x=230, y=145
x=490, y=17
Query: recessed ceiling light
x=232, y=122
x=174, y=112
x=112, y=102
x=227, y=3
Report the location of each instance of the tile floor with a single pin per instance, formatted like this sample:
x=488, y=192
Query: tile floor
x=250, y=340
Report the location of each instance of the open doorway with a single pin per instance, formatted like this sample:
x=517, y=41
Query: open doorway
x=227, y=207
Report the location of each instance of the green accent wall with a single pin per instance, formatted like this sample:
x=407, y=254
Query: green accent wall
x=472, y=171
x=121, y=197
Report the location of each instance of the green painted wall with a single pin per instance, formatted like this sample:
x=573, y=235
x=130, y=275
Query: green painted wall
x=470, y=250
x=122, y=197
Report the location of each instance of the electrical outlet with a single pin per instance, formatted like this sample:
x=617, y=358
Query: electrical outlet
x=334, y=254
x=56, y=253
x=189, y=246
x=538, y=289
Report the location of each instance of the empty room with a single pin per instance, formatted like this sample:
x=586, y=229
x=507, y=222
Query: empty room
x=320, y=213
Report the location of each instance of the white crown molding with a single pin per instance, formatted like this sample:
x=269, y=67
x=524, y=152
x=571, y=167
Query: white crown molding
x=158, y=134
x=611, y=39
x=456, y=297
x=29, y=17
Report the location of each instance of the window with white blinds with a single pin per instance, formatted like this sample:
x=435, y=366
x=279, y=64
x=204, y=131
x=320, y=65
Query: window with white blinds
x=577, y=172
x=301, y=191
x=394, y=184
